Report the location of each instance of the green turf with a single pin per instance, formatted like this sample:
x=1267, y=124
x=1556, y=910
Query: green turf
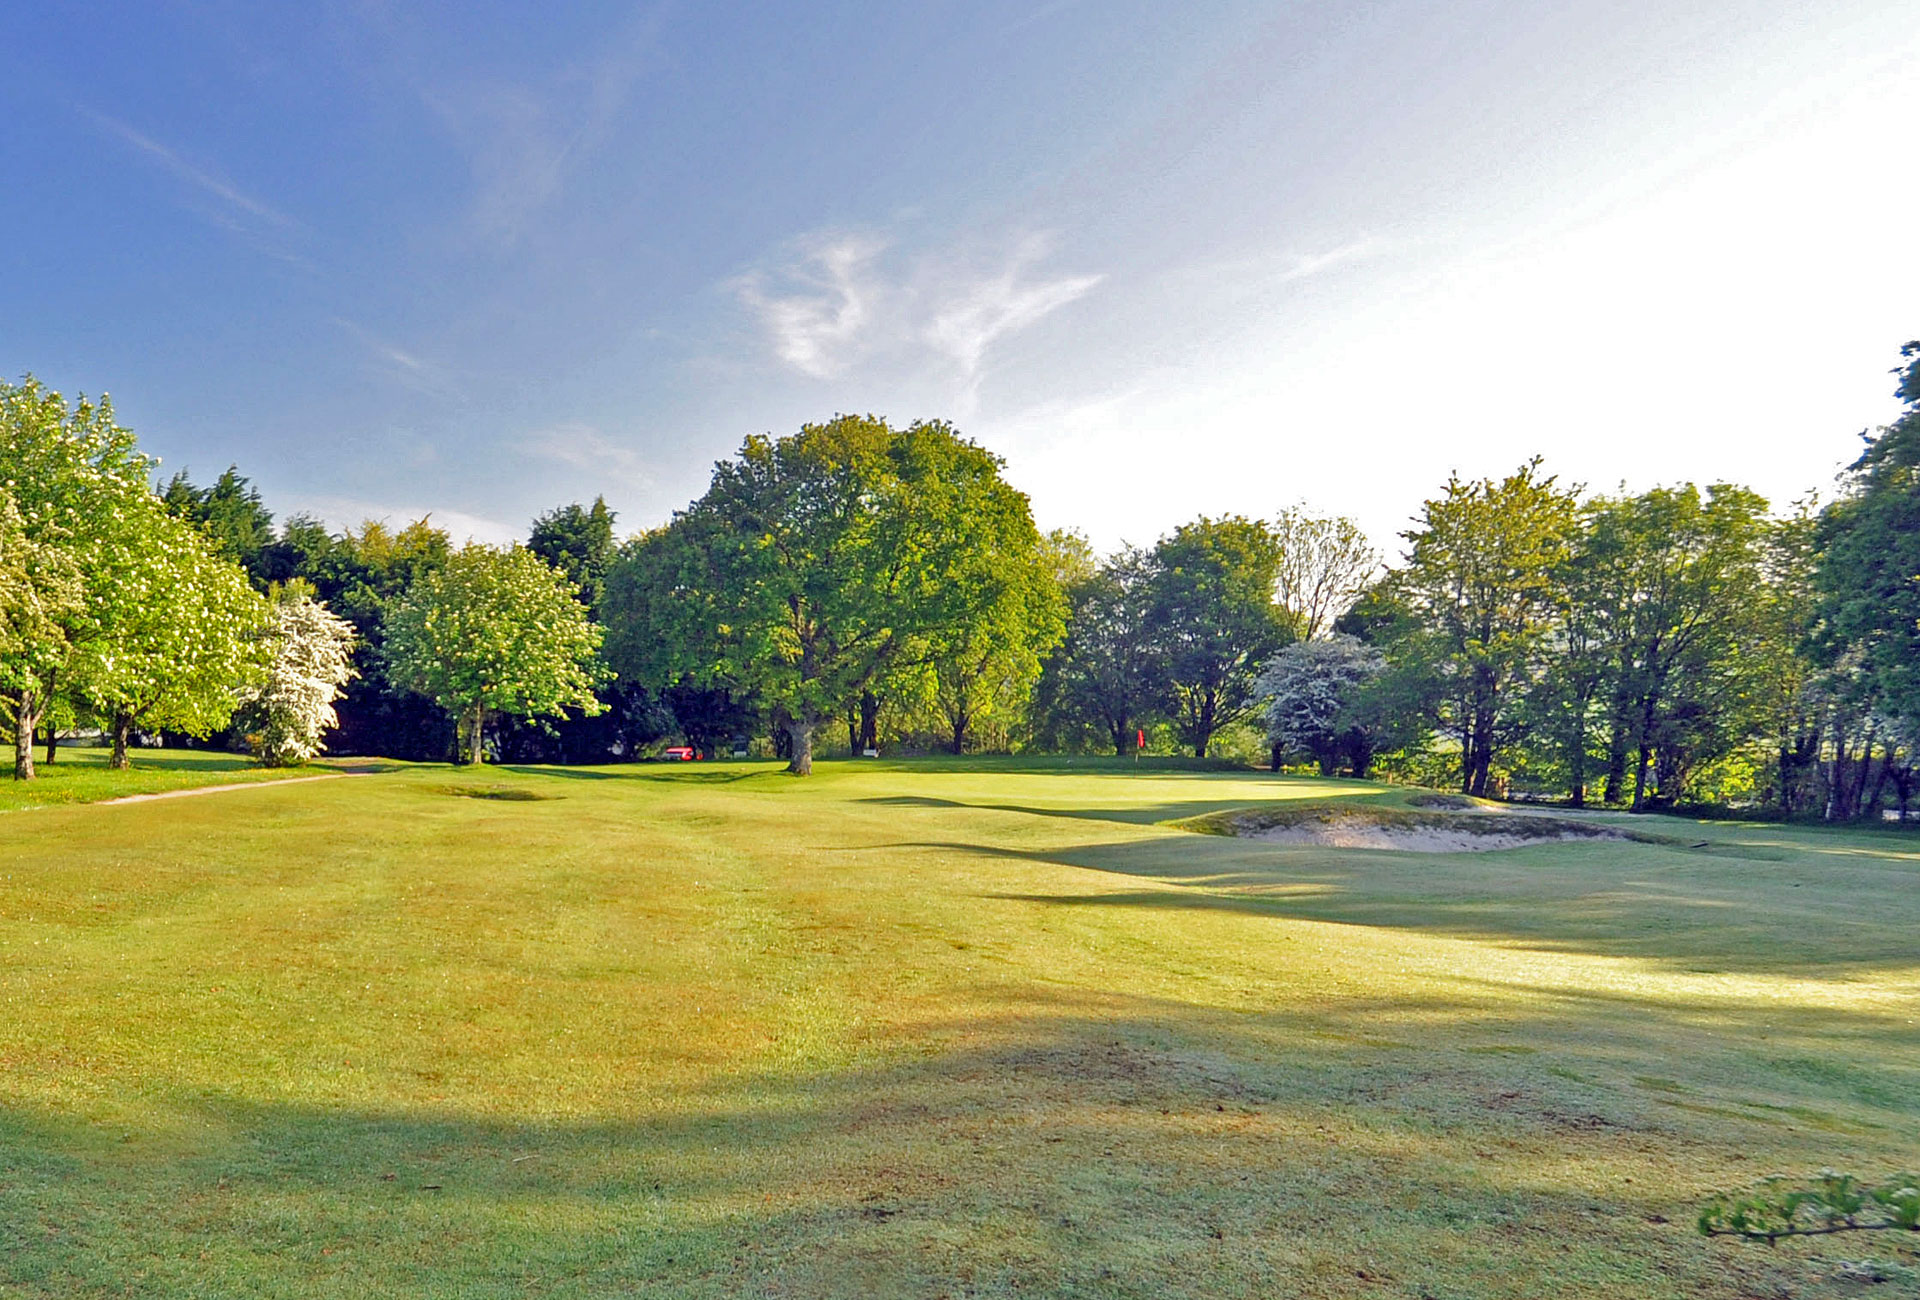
x=80, y=774
x=923, y=1030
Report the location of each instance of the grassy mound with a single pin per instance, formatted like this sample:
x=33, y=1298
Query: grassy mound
x=1445, y=802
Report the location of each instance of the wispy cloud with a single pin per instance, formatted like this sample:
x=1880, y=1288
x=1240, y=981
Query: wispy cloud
x=522, y=141
x=839, y=299
x=401, y=365
x=817, y=309
x=1301, y=265
x=974, y=312
x=584, y=447
x=235, y=204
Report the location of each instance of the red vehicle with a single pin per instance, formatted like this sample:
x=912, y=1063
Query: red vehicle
x=679, y=754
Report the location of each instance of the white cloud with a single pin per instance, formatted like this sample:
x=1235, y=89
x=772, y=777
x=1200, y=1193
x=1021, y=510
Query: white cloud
x=583, y=447
x=819, y=312
x=840, y=302
x=974, y=312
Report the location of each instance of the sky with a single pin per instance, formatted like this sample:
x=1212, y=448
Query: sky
x=1167, y=260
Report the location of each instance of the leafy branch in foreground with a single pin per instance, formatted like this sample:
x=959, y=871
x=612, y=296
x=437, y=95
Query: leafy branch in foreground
x=1834, y=1202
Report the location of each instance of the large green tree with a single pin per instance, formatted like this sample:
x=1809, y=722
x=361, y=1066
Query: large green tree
x=1869, y=596
x=1677, y=582
x=80, y=486
x=186, y=640
x=1481, y=592
x=41, y=594
x=1104, y=676
x=817, y=564
x=660, y=618
x=494, y=631
x=1003, y=609
x=1212, y=620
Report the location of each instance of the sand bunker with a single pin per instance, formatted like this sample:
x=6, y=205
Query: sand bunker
x=1350, y=835
x=1465, y=826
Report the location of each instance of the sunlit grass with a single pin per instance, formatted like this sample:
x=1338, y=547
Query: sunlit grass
x=921, y=1030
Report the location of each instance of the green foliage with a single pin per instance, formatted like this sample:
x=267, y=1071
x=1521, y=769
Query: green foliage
x=1869, y=598
x=494, y=631
x=1676, y=577
x=819, y=566
x=578, y=541
x=1829, y=1203
x=1105, y=676
x=1480, y=591
x=184, y=631
x=1212, y=620
x=80, y=486
x=41, y=590
x=1002, y=609
x=232, y=514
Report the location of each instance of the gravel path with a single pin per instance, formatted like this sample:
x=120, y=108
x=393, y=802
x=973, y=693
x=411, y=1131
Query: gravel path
x=217, y=789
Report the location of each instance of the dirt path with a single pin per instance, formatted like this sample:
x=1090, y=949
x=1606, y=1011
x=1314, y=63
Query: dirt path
x=218, y=789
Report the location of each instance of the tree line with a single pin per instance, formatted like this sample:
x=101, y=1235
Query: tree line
x=887, y=588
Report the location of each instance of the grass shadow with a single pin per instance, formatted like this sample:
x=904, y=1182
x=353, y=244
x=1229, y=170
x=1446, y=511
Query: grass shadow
x=1690, y=909
x=1168, y=1152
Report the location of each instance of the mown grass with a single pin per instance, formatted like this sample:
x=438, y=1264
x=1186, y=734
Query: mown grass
x=903, y=1030
x=80, y=774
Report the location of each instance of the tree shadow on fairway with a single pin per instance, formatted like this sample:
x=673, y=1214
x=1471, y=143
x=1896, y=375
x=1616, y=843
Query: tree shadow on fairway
x=1693, y=910
x=1161, y=1153
x=1134, y=814
x=663, y=773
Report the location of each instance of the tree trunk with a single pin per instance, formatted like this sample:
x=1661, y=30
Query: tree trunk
x=26, y=717
x=800, y=731
x=869, y=721
x=1837, y=772
x=476, y=738
x=1204, y=724
x=53, y=743
x=1276, y=757
x=1359, y=754
x=122, y=733
x=1577, y=753
x=1616, y=757
x=960, y=721
x=1870, y=806
x=1477, y=750
x=853, y=730
x=1122, y=736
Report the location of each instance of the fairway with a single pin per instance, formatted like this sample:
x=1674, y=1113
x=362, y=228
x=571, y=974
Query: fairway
x=925, y=1029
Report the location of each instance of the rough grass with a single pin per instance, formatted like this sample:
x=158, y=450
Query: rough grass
x=961, y=1029
x=81, y=774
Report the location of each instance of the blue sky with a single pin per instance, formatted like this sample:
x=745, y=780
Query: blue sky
x=1166, y=259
